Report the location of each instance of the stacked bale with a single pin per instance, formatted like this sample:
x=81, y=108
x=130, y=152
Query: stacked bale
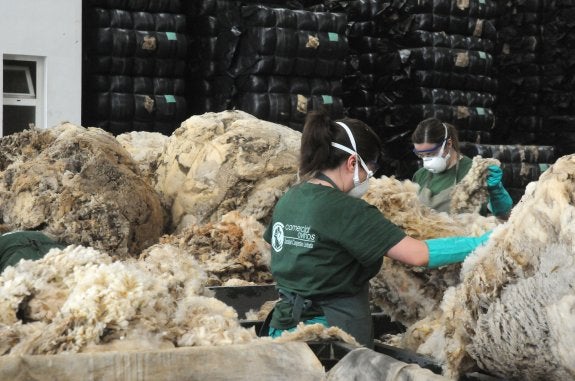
x=521, y=164
x=134, y=65
x=557, y=106
x=446, y=67
x=365, y=67
x=518, y=61
x=274, y=63
x=537, y=72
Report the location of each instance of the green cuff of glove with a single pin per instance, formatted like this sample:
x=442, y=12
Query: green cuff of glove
x=449, y=250
x=500, y=201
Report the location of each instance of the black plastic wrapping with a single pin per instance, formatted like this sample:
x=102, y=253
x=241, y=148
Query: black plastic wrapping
x=241, y=43
x=134, y=65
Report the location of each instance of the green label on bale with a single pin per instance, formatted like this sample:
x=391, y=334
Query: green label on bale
x=171, y=36
x=327, y=99
x=480, y=111
x=170, y=99
x=333, y=36
x=482, y=55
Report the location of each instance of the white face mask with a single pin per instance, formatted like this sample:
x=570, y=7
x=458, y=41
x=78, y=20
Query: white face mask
x=437, y=164
x=359, y=188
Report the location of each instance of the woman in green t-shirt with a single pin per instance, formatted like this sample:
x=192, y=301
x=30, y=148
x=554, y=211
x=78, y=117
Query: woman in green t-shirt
x=437, y=144
x=327, y=243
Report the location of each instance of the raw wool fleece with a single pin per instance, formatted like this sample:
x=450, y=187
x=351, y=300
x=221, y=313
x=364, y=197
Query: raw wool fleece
x=471, y=192
x=79, y=300
x=230, y=249
x=495, y=280
x=524, y=307
x=218, y=162
x=145, y=148
x=79, y=185
x=317, y=332
x=407, y=293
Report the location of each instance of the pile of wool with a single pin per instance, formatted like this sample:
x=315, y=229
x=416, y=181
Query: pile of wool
x=79, y=299
x=407, y=293
x=218, y=162
x=232, y=249
x=79, y=185
x=513, y=313
x=471, y=192
x=145, y=148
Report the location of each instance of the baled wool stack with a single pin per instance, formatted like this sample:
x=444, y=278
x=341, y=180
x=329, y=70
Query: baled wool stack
x=407, y=293
x=232, y=249
x=80, y=300
x=79, y=185
x=512, y=313
x=219, y=162
x=145, y=148
x=471, y=192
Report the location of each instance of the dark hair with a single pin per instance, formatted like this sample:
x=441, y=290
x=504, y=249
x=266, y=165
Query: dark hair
x=432, y=130
x=319, y=131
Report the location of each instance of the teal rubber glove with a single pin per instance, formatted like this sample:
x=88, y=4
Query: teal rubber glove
x=445, y=251
x=500, y=201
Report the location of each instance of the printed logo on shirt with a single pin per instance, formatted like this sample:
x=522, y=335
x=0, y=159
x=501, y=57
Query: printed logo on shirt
x=292, y=235
x=278, y=236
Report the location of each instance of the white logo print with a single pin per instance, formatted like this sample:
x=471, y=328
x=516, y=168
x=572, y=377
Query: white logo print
x=278, y=236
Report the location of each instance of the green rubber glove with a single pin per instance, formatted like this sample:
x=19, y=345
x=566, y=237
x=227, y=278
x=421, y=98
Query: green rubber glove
x=445, y=251
x=500, y=202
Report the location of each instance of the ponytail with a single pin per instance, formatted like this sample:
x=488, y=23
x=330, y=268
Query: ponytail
x=316, y=144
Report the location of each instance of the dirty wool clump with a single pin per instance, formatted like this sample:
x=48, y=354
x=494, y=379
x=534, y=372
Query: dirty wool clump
x=471, y=192
x=511, y=313
x=218, y=162
x=81, y=300
x=408, y=293
x=232, y=249
x=145, y=148
x=81, y=186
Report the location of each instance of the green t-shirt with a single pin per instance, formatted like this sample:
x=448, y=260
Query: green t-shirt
x=325, y=243
x=441, y=181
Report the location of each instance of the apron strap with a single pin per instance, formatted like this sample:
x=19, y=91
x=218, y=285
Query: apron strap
x=299, y=303
x=322, y=176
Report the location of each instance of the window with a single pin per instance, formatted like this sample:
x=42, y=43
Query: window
x=22, y=93
x=18, y=82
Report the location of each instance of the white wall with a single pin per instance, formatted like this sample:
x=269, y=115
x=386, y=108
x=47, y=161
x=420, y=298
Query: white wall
x=50, y=29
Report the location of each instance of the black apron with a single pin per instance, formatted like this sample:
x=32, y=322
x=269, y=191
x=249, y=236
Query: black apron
x=350, y=313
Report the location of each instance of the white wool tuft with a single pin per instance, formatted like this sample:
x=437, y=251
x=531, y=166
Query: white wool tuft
x=208, y=321
x=81, y=300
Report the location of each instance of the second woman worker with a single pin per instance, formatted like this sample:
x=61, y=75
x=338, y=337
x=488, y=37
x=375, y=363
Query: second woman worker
x=437, y=144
